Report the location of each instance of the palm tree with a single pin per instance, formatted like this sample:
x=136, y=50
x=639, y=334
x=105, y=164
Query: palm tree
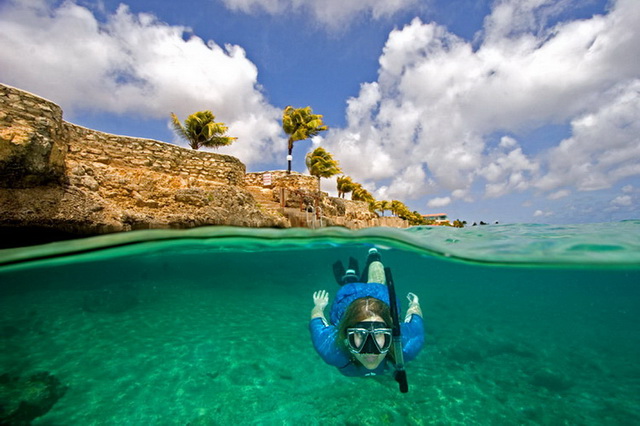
x=361, y=194
x=403, y=212
x=382, y=206
x=416, y=219
x=300, y=124
x=396, y=206
x=200, y=129
x=321, y=164
x=345, y=185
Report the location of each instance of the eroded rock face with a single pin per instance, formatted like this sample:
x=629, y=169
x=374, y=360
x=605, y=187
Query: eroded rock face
x=32, y=146
x=58, y=176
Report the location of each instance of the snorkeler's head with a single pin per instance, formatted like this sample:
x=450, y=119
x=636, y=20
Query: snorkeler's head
x=369, y=313
x=361, y=310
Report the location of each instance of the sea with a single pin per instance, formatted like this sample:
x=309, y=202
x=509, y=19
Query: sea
x=526, y=324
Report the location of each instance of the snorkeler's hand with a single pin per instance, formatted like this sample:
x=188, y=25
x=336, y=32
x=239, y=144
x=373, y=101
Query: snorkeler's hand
x=321, y=299
x=413, y=299
x=414, y=307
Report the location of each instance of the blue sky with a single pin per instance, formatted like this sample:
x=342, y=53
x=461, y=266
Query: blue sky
x=494, y=110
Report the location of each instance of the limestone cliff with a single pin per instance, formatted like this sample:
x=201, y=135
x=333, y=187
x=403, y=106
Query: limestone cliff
x=59, y=177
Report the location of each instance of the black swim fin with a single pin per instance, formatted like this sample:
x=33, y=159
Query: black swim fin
x=353, y=264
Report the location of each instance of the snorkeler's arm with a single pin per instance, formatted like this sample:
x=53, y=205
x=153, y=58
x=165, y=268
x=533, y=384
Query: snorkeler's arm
x=320, y=300
x=414, y=307
x=324, y=338
x=324, y=335
x=412, y=329
x=412, y=337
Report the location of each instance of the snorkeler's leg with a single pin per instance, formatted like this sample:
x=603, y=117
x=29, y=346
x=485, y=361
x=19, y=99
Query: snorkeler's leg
x=375, y=269
x=376, y=273
x=370, y=258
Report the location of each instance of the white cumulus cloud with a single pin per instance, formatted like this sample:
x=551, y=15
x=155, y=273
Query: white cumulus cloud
x=542, y=213
x=508, y=169
x=439, y=202
x=332, y=14
x=604, y=147
x=622, y=200
x=559, y=194
x=450, y=107
x=135, y=64
x=411, y=183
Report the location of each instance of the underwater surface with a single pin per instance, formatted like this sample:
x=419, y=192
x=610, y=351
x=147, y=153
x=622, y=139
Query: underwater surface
x=525, y=324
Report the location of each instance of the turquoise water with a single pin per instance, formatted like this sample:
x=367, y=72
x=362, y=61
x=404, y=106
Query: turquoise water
x=526, y=324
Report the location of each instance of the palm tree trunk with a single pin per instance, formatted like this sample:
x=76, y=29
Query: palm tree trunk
x=289, y=156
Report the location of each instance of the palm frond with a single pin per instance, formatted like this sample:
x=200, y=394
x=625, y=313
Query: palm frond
x=200, y=129
x=178, y=128
x=321, y=163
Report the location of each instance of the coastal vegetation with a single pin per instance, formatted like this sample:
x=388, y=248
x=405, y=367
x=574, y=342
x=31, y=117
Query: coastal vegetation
x=402, y=211
x=382, y=206
x=345, y=185
x=300, y=124
x=397, y=208
x=321, y=164
x=359, y=193
x=200, y=129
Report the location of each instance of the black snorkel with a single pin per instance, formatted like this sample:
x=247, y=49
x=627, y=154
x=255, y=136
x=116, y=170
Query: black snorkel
x=400, y=375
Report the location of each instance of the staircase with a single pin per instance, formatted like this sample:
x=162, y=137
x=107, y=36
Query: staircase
x=264, y=198
x=293, y=216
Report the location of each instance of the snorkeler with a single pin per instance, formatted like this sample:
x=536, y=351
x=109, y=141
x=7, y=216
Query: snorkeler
x=358, y=338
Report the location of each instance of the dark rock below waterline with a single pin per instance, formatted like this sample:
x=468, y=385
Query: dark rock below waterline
x=551, y=381
x=23, y=400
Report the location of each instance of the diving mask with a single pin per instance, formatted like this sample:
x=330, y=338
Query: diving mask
x=369, y=337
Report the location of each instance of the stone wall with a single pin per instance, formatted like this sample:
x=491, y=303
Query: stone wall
x=356, y=214
x=282, y=179
x=59, y=176
x=36, y=144
x=91, y=146
x=32, y=139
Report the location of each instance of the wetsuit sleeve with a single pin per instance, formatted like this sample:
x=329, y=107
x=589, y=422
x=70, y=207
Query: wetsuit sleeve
x=412, y=337
x=324, y=338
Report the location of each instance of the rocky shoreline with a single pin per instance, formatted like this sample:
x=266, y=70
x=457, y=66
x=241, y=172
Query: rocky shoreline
x=60, y=180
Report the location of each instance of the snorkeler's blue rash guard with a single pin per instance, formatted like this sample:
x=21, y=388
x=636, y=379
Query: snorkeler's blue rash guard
x=350, y=292
x=325, y=336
